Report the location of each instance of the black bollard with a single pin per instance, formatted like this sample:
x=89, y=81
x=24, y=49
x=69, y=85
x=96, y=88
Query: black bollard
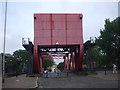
x=67, y=74
x=57, y=74
x=47, y=74
x=105, y=70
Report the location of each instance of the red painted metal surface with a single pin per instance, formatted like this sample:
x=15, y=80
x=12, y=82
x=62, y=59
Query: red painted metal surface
x=63, y=28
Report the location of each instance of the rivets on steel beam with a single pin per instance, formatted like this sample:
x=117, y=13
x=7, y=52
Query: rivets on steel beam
x=34, y=17
x=80, y=17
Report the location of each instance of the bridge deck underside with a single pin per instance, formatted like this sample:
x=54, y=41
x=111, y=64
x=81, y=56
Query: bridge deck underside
x=70, y=54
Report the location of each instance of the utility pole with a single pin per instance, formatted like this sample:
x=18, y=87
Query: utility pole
x=3, y=56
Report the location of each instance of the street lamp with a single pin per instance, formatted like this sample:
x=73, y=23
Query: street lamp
x=3, y=56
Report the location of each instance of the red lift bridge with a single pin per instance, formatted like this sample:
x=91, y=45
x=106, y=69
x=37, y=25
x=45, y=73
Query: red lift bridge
x=58, y=35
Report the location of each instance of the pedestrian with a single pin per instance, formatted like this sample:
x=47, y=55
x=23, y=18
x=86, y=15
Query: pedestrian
x=114, y=68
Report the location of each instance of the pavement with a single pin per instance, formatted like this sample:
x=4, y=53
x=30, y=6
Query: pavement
x=20, y=82
x=108, y=76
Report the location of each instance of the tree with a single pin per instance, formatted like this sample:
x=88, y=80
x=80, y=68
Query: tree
x=47, y=62
x=60, y=66
x=98, y=56
x=22, y=57
x=109, y=40
x=10, y=64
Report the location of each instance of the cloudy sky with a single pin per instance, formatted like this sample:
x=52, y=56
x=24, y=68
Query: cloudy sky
x=20, y=18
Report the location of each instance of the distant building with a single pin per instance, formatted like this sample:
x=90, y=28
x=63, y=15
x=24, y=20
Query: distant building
x=6, y=55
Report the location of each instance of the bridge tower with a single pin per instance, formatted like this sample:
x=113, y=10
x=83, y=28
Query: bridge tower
x=58, y=34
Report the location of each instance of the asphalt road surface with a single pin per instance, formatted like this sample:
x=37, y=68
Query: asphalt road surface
x=74, y=81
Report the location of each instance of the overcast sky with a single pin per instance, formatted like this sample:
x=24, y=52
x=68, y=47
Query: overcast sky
x=20, y=18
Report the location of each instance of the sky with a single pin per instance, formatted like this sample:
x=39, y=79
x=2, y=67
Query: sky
x=20, y=18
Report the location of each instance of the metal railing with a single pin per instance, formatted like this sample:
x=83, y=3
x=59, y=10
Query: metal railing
x=25, y=41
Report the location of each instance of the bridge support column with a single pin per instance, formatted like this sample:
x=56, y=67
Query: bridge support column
x=66, y=63
x=73, y=61
x=40, y=64
x=36, y=61
x=79, y=59
x=30, y=61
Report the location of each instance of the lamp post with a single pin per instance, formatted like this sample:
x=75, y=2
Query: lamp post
x=3, y=56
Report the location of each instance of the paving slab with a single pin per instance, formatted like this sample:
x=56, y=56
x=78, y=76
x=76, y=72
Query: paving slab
x=108, y=76
x=20, y=82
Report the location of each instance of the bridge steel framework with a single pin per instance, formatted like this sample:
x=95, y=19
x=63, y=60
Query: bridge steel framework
x=58, y=34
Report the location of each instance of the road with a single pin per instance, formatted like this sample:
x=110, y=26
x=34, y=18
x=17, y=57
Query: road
x=64, y=81
x=74, y=81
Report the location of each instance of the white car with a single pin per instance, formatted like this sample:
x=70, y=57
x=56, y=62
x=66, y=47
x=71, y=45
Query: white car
x=45, y=71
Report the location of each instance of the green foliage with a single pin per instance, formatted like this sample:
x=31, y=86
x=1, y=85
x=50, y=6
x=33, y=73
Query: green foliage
x=10, y=63
x=21, y=55
x=17, y=62
x=98, y=56
x=47, y=62
x=109, y=40
x=60, y=66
